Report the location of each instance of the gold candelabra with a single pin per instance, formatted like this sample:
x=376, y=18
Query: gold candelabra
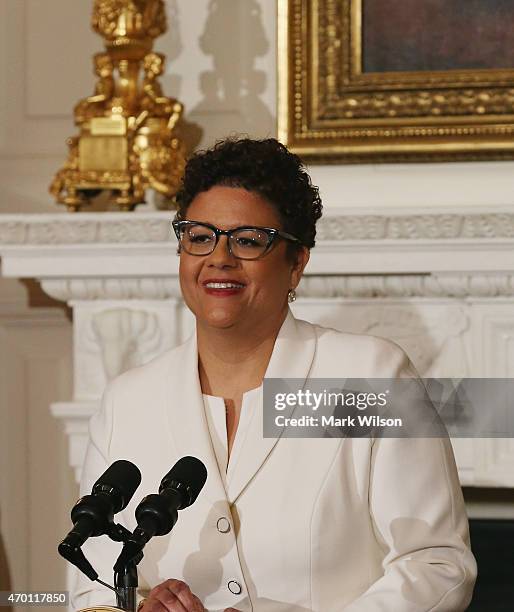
x=127, y=139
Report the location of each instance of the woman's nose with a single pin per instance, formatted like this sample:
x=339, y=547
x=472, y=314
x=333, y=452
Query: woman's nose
x=221, y=255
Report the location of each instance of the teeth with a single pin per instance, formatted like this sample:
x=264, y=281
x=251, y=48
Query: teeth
x=223, y=285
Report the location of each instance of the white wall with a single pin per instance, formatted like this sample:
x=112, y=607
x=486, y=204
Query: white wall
x=222, y=65
x=36, y=486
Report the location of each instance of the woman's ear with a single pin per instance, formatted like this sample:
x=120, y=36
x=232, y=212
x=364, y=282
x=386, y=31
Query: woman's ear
x=301, y=259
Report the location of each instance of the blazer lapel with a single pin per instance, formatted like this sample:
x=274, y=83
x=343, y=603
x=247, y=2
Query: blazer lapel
x=186, y=417
x=292, y=357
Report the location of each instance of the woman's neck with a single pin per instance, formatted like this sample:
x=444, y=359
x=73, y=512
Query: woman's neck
x=231, y=362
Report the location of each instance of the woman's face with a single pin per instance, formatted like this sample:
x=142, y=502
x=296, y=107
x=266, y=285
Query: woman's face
x=262, y=299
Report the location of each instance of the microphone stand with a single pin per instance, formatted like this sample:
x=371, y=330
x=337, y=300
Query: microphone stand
x=125, y=579
x=125, y=582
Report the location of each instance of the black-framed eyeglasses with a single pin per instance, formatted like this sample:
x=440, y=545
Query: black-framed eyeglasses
x=246, y=242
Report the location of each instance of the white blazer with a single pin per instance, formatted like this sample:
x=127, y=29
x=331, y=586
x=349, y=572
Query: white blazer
x=358, y=525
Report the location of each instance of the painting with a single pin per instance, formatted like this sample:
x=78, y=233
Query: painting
x=437, y=35
x=402, y=80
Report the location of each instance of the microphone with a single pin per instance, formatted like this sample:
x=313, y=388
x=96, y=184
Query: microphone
x=157, y=514
x=93, y=514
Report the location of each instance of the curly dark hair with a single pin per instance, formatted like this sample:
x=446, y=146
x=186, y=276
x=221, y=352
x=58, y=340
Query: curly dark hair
x=265, y=167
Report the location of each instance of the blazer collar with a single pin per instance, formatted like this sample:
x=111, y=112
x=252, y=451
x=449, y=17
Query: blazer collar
x=292, y=357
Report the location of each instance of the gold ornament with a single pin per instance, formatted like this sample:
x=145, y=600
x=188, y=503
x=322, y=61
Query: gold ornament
x=128, y=139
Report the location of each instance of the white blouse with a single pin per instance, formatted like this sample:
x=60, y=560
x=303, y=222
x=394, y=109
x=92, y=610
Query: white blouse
x=217, y=423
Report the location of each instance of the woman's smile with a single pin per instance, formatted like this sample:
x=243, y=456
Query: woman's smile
x=222, y=287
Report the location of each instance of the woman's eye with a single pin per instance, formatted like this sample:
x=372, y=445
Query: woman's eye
x=200, y=238
x=247, y=242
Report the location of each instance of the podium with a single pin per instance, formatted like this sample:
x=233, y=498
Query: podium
x=100, y=609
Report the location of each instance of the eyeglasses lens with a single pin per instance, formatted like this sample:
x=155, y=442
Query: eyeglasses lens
x=198, y=239
x=248, y=243
x=244, y=244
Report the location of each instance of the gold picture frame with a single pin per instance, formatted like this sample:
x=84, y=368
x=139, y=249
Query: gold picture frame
x=330, y=110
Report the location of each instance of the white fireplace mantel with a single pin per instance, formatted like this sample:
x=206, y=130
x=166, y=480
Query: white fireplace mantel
x=123, y=245
x=440, y=284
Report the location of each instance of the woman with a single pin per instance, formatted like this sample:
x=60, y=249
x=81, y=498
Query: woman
x=281, y=524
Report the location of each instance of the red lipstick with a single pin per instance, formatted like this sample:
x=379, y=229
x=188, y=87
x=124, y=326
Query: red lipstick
x=218, y=286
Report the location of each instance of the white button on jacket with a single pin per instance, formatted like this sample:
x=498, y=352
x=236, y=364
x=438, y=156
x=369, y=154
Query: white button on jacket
x=234, y=587
x=223, y=525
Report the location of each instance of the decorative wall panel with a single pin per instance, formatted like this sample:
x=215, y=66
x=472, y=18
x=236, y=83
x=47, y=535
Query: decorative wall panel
x=37, y=485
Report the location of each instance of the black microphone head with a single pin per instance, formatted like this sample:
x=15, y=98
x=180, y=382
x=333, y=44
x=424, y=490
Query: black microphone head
x=188, y=473
x=120, y=482
x=75, y=556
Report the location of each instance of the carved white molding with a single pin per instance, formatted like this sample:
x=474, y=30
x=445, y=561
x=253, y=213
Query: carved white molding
x=116, y=228
x=407, y=285
x=123, y=245
x=311, y=286
x=86, y=228
x=434, y=333
x=113, y=336
x=431, y=336
x=497, y=340
x=436, y=226
x=68, y=289
x=125, y=335
x=75, y=417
